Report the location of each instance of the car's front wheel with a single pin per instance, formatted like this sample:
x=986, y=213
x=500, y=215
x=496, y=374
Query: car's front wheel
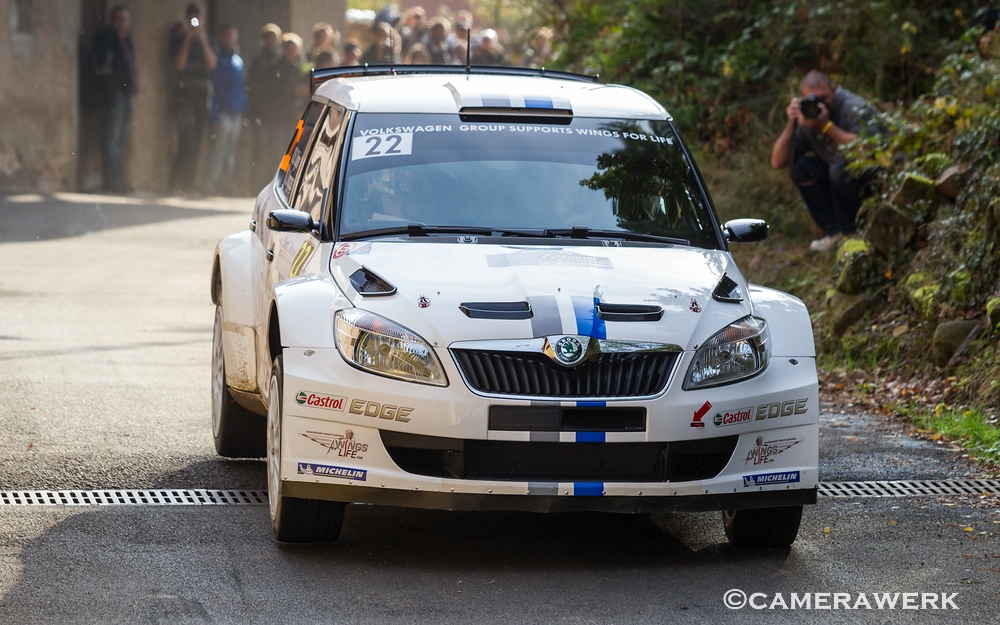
x=238, y=432
x=293, y=520
x=762, y=527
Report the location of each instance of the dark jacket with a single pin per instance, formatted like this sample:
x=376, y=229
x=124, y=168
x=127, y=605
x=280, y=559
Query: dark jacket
x=113, y=69
x=264, y=88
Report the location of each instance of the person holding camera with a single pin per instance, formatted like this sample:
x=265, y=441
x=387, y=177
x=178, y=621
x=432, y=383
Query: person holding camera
x=193, y=60
x=824, y=118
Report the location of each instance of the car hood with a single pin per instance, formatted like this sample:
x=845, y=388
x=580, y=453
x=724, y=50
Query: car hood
x=561, y=283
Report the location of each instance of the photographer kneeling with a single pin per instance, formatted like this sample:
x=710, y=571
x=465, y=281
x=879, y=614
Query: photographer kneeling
x=826, y=116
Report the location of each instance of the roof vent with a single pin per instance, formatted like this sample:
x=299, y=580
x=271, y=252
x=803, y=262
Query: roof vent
x=481, y=106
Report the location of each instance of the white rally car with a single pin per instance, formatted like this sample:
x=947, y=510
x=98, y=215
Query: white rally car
x=500, y=288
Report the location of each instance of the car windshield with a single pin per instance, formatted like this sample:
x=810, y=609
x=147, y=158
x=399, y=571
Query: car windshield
x=611, y=176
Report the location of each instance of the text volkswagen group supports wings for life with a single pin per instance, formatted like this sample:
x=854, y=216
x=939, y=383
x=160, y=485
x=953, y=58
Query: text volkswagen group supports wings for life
x=605, y=175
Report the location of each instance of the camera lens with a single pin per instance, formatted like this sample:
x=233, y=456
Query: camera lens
x=810, y=107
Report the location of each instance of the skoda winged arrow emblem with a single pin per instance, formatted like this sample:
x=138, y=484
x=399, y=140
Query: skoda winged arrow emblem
x=569, y=350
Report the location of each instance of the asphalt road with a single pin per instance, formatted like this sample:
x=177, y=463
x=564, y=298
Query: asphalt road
x=105, y=337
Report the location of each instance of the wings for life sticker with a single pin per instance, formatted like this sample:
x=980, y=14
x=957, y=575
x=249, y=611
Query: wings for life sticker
x=764, y=451
x=325, y=470
x=373, y=146
x=769, y=479
x=344, y=445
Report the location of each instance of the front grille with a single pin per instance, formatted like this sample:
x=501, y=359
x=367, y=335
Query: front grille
x=524, y=374
x=559, y=462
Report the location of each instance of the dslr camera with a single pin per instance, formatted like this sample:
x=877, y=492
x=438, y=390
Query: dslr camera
x=809, y=106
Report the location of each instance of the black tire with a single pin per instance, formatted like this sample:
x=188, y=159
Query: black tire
x=762, y=527
x=294, y=520
x=238, y=432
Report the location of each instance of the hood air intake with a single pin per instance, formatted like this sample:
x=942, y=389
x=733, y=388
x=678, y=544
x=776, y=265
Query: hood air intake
x=496, y=310
x=628, y=312
x=727, y=291
x=369, y=284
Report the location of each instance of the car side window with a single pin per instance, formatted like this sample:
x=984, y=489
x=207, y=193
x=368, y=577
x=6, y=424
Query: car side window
x=319, y=174
x=292, y=161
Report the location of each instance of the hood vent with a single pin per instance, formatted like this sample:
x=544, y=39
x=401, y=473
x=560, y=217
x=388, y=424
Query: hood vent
x=728, y=291
x=496, y=310
x=628, y=312
x=369, y=284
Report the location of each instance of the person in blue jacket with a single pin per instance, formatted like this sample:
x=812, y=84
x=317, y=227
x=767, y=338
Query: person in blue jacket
x=229, y=104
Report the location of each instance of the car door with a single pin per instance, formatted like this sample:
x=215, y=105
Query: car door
x=312, y=195
x=280, y=248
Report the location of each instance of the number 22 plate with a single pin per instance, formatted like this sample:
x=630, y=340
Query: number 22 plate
x=372, y=146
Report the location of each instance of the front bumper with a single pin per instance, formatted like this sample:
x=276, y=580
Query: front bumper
x=334, y=444
x=551, y=503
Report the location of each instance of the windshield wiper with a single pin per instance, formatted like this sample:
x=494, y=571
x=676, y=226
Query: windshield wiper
x=421, y=230
x=583, y=232
x=417, y=229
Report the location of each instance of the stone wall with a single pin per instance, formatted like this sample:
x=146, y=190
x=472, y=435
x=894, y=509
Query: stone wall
x=151, y=146
x=38, y=94
x=41, y=137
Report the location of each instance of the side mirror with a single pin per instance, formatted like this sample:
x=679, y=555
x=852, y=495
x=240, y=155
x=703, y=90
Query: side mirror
x=290, y=220
x=746, y=230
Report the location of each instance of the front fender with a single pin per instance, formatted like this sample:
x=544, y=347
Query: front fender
x=306, y=307
x=232, y=289
x=788, y=321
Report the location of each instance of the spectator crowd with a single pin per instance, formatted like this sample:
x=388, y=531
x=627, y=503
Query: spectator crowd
x=217, y=95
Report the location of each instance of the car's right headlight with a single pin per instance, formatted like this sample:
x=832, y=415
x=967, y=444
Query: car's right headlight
x=736, y=352
x=377, y=345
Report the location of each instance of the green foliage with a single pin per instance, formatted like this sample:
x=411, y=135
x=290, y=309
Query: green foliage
x=720, y=66
x=869, y=350
x=973, y=429
x=957, y=121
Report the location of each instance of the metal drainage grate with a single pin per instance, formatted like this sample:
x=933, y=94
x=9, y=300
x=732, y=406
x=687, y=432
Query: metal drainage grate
x=205, y=497
x=918, y=488
x=158, y=497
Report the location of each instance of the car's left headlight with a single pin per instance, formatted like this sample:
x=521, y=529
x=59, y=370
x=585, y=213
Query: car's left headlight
x=377, y=345
x=735, y=353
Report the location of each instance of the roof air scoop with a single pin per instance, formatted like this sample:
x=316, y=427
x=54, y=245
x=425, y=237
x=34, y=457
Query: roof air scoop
x=483, y=106
x=728, y=291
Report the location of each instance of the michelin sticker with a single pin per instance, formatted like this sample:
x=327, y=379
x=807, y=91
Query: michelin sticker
x=769, y=479
x=325, y=470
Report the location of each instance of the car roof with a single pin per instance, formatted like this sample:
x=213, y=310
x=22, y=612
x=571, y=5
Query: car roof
x=448, y=93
